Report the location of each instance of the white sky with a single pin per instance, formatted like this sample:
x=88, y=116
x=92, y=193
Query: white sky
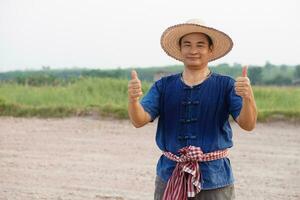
x=126, y=33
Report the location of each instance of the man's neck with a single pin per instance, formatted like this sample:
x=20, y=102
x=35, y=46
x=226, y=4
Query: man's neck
x=195, y=76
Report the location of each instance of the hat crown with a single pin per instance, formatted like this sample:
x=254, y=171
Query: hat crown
x=196, y=21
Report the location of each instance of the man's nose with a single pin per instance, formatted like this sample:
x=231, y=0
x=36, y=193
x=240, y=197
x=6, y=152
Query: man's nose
x=193, y=50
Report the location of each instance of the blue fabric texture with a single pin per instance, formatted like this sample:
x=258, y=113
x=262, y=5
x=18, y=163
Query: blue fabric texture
x=198, y=116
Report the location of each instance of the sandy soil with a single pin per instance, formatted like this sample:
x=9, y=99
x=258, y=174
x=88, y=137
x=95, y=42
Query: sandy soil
x=104, y=159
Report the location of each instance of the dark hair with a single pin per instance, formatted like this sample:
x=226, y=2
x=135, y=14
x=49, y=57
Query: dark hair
x=210, y=43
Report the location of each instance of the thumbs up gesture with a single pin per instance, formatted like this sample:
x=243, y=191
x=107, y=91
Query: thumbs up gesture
x=242, y=85
x=134, y=87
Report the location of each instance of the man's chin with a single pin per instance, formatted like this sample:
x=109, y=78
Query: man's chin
x=194, y=65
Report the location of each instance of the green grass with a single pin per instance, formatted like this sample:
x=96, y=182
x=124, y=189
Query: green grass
x=109, y=97
x=277, y=102
x=106, y=96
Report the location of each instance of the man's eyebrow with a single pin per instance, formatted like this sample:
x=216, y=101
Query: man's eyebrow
x=199, y=42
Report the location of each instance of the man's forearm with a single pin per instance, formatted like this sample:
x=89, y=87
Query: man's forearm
x=248, y=114
x=138, y=116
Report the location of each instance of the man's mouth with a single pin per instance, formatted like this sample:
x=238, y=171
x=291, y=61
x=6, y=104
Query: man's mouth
x=193, y=58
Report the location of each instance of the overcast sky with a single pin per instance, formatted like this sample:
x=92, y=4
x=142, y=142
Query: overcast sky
x=126, y=33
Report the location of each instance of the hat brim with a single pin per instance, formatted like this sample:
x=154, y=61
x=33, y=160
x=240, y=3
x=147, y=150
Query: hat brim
x=222, y=43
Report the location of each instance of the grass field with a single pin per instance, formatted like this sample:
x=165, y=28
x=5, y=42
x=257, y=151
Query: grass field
x=109, y=97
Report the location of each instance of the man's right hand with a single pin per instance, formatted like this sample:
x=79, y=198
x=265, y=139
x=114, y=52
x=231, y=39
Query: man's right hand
x=136, y=112
x=134, y=88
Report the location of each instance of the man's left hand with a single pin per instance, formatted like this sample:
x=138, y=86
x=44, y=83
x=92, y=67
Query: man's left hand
x=242, y=85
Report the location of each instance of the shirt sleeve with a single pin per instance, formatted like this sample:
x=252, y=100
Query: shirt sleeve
x=235, y=101
x=151, y=101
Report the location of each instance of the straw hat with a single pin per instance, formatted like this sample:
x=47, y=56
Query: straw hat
x=222, y=43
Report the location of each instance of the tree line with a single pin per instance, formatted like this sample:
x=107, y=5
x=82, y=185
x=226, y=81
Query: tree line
x=269, y=74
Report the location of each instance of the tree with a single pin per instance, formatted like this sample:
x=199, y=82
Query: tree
x=297, y=72
x=255, y=75
x=269, y=66
x=279, y=80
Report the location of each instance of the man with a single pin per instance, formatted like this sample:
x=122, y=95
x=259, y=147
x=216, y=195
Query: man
x=193, y=130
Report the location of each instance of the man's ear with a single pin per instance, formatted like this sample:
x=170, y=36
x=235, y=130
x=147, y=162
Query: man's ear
x=211, y=48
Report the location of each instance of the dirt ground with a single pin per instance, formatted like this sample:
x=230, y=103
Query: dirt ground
x=105, y=159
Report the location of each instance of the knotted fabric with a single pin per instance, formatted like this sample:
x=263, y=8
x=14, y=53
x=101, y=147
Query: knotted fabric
x=186, y=177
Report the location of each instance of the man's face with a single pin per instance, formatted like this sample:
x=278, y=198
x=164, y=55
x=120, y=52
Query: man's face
x=195, y=50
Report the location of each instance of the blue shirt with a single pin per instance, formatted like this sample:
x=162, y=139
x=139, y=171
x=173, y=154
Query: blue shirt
x=194, y=115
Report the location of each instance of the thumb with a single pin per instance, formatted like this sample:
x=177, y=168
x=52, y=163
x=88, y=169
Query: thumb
x=134, y=74
x=245, y=71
